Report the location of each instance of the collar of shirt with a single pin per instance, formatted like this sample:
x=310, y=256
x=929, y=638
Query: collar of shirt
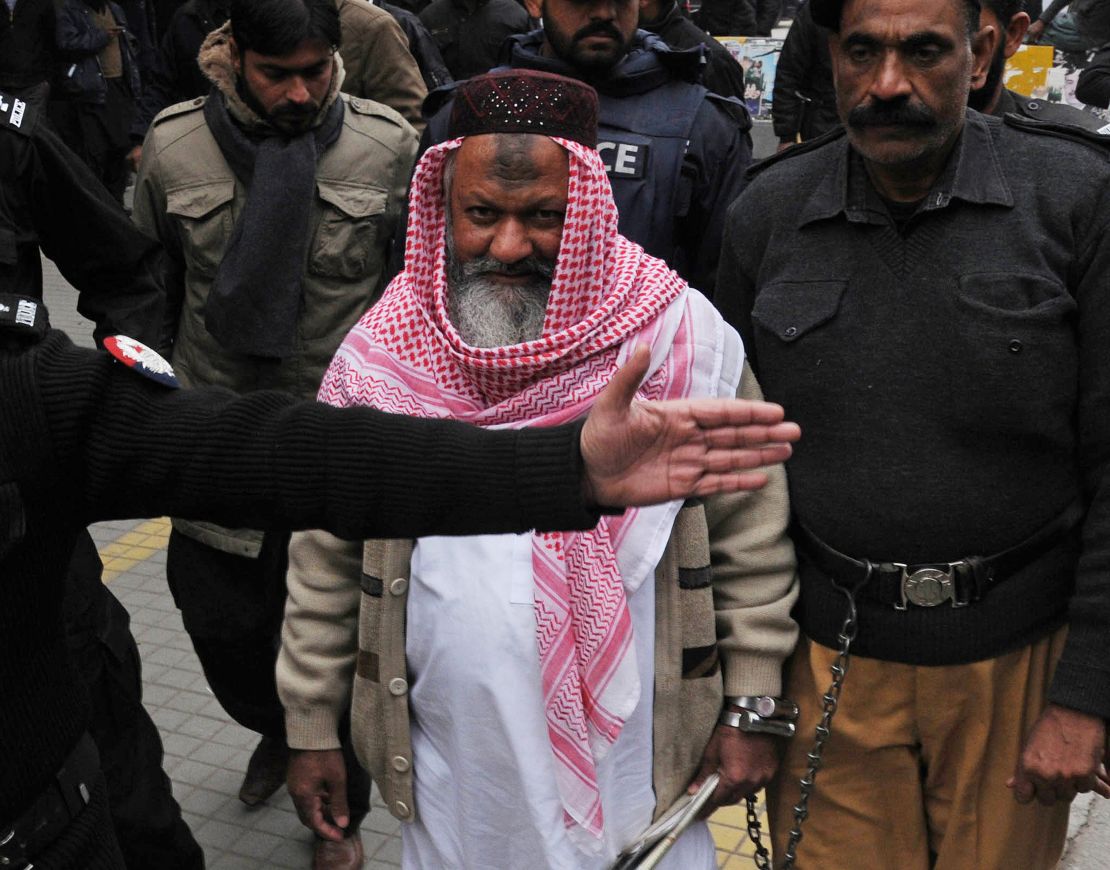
x=973, y=174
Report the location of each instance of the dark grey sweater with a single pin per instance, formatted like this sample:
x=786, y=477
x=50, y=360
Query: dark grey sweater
x=952, y=382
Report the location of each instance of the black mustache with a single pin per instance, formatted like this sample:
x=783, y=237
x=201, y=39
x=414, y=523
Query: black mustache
x=887, y=114
x=599, y=28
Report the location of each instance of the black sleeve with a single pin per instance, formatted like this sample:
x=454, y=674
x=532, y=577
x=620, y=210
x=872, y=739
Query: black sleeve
x=1093, y=87
x=159, y=89
x=72, y=38
x=99, y=251
x=799, y=53
x=766, y=15
x=735, y=287
x=265, y=460
x=723, y=75
x=727, y=17
x=719, y=152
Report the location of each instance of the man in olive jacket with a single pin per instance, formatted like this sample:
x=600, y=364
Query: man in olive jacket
x=276, y=199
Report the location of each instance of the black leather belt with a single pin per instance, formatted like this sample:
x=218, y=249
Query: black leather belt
x=927, y=584
x=60, y=802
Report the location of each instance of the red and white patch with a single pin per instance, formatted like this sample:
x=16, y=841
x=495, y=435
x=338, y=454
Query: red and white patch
x=141, y=359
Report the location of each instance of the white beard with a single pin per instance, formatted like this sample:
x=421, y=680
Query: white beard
x=488, y=314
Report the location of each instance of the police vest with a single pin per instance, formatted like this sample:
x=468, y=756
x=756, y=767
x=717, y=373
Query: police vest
x=642, y=141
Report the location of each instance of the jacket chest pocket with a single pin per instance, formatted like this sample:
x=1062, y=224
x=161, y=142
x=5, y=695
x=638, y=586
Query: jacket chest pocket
x=349, y=238
x=204, y=216
x=1015, y=353
x=793, y=316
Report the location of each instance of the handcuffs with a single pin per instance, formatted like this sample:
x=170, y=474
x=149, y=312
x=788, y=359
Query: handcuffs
x=760, y=714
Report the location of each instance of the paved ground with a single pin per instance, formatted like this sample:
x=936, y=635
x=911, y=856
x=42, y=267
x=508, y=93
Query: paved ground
x=206, y=753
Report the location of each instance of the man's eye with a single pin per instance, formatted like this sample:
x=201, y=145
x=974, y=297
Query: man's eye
x=926, y=54
x=549, y=216
x=480, y=212
x=860, y=54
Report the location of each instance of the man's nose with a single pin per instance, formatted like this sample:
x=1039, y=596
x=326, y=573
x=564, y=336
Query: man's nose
x=890, y=81
x=510, y=243
x=603, y=10
x=297, y=91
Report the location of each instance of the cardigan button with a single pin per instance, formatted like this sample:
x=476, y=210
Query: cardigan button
x=401, y=764
x=398, y=686
x=790, y=331
x=402, y=809
x=1016, y=345
x=398, y=586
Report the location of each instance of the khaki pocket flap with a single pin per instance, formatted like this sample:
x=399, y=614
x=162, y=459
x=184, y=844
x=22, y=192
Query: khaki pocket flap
x=198, y=200
x=354, y=200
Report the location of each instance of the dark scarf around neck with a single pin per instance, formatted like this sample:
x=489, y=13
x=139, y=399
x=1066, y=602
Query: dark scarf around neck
x=256, y=296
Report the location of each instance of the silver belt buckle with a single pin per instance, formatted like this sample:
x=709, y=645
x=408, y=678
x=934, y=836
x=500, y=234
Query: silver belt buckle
x=927, y=587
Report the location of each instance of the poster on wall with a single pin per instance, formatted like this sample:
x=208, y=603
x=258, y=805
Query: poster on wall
x=759, y=57
x=1043, y=73
x=1027, y=71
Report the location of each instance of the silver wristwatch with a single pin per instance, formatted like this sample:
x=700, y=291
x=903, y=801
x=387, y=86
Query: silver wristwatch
x=760, y=714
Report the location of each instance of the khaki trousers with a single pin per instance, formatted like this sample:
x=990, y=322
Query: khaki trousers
x=914, y=775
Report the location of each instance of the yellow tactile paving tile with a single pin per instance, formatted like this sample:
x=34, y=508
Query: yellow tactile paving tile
x=729, y=827
x=133, y=547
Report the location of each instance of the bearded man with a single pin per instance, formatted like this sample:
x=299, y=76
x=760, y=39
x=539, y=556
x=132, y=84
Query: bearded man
x=675, y=153
x=552, y=693
x=276, y=199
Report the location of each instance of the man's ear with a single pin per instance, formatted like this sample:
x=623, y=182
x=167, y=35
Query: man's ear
x=535, y=8
x=1015, y=33
x=236, y=57
x=983, y=46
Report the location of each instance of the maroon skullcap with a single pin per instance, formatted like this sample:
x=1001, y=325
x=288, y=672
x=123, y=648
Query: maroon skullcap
x=525, y=101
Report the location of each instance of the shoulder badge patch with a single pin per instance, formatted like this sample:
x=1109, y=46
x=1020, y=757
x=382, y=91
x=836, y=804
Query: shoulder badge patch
x=23, y=315
x=794, y=151
x=1085, y=135
x=181, y=108
x=16, y=115
x=144, y=361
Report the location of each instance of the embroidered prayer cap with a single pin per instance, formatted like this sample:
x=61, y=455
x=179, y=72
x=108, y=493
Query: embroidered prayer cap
x=525, y=101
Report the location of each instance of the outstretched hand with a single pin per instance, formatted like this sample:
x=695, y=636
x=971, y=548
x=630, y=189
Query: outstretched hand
x=640, y=453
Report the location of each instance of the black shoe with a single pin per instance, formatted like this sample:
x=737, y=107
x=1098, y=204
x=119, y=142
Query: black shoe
x=265, y=771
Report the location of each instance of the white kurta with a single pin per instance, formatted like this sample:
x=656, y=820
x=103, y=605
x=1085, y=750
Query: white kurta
x=484, y=772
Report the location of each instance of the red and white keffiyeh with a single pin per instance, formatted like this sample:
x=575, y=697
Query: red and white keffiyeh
x=607, y=296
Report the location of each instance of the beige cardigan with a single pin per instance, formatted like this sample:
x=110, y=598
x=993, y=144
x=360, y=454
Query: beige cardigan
x=724, y=589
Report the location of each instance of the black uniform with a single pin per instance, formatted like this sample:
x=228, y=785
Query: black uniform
x=804, y=101
x=469, y=33
x=49, y=198
x=83, y=439
x=1093, y=86
x=423, y=48
x=175, y=75
x=721, y=73
x=1050, y=113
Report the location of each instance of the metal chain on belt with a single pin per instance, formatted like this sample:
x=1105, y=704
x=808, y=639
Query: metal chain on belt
x=830, y=700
